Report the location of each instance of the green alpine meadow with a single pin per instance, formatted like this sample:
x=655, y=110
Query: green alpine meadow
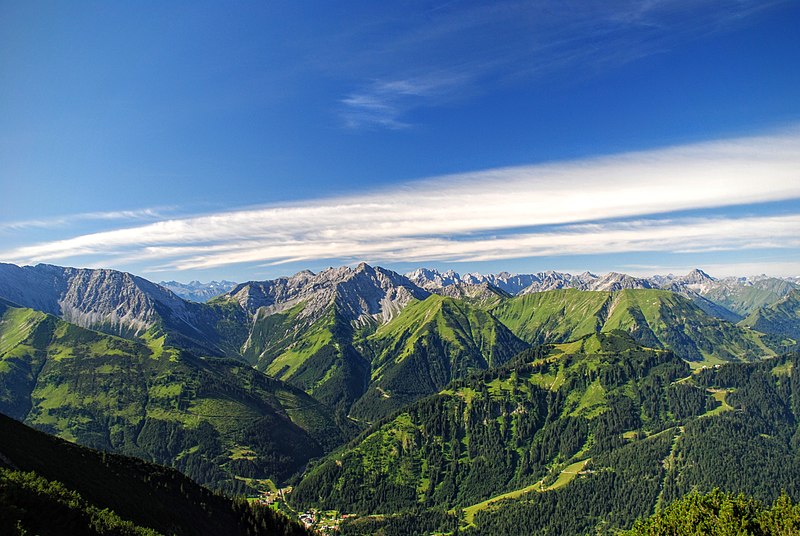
x=362, y=401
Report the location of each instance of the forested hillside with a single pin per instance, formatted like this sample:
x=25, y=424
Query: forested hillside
x=722, y=514
x=507, y=428
x=746, y=444
x=571, y=438
x=211, y=418
x=51, y=487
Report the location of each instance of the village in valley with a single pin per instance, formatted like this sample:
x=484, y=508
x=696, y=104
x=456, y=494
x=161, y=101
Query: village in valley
x=320, y=521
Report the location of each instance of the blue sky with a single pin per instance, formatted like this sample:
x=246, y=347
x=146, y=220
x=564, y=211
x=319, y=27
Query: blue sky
x=185, y=140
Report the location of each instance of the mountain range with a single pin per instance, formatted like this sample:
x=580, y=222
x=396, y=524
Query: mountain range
x=346, y=333
x=197, y=291
x=334, y=377
x=729, y=298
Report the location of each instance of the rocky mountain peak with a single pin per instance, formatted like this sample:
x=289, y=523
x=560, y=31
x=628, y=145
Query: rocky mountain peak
x=358, y=293
x=480, y=293
x=114, y=301
x=698, y=276
x=551, y=280
x=429, y=278
x=695, y=281
x=614, y=281
x=375, y=293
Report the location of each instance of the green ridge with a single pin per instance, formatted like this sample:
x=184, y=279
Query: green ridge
x=781, y=318
x=498, y=430
x=653, y=429
x=430, y=343
x=655, y=318
x=745, y=299
x=158, y=403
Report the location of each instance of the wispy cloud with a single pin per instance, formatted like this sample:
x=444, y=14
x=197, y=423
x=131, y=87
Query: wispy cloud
x=464, y=48
x=61, y=221
x=385, y=103
x=612, y=204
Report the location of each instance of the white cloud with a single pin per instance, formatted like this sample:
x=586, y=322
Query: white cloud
x=60, y=221
x=543, y=210
x=383, y=103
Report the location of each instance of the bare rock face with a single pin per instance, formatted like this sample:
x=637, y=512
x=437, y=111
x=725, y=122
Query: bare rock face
x=368, y=292
x=436, y=281
x=36, y=287
x=123, y=301
x=272, y=296
x=695, y=281
x=116, y=302
x=510, y=283
x=551, y=280
x=431, y=279
x=614, y=281
x=519, y=284
x=482, y=294
x=360, y=294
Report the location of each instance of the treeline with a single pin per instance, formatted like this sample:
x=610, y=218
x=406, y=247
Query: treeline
x=755, y=447
x=405, y=524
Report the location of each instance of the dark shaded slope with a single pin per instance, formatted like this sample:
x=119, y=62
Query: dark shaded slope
x=145, y=494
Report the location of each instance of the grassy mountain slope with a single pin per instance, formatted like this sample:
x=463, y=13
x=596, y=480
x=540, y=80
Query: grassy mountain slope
x=745, y=299
x=212, y=418
x=314, y=354
x=430, y=343
x=655, y=318
x=781, y=318
x=497, y=431
x=554, y=315
x=49, y=486
x=582, y=436
x=373, y=369
x=302, y=328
